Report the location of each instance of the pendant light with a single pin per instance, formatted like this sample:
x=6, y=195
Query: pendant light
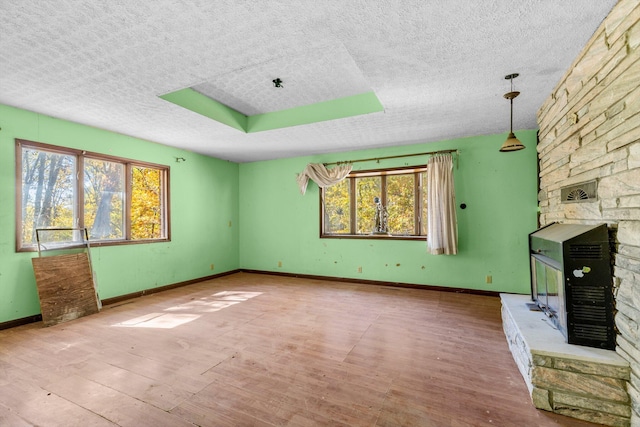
x=512, y=143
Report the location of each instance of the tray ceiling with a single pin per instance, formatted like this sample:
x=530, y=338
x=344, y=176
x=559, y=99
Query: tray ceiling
x=310, y=77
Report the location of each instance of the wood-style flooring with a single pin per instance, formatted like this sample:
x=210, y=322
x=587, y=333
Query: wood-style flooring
x=262, y=350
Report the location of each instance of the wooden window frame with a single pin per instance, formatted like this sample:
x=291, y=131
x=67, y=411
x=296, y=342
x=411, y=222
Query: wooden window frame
x=80, y=155
x=383, y=173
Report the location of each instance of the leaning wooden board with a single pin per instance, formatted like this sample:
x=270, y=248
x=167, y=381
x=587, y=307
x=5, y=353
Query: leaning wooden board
x=65, y=287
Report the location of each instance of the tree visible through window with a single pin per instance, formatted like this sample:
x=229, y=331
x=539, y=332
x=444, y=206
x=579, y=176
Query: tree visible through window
x=349, y=208
x=337, y=210
x=367, y=188
x=401, y=201
x=117, y=200
x=48, y=193
x=146, y=203
x=104, y=184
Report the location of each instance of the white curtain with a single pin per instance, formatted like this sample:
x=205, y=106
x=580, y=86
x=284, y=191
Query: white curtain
x=322, y=176
x=442, y=227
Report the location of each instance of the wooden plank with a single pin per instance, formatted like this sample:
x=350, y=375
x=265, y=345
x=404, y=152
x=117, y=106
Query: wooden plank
x=65, y=287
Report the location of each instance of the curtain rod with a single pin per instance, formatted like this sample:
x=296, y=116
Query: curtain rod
x=393, y=157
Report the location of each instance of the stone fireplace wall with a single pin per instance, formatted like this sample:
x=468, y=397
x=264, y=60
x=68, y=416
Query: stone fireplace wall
x=590, y=130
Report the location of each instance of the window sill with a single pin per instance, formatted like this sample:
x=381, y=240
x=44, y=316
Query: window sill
x=372, y=237
x=95, y=244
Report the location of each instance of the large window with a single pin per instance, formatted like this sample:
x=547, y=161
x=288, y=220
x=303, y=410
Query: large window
x=117, y=200
x=349, y=208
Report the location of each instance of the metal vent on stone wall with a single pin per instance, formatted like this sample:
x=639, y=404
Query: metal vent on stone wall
x=583, y=192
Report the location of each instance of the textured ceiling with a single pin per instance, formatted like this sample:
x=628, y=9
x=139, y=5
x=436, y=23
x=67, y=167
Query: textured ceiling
x=314, y=76
x=437, y=67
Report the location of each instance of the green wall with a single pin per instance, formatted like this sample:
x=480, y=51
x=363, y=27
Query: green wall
x=500, y=191
x=211, y=198
x=204, y=202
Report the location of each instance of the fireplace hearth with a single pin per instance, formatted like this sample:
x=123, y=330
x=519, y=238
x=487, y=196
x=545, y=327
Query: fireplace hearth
x=573, y=380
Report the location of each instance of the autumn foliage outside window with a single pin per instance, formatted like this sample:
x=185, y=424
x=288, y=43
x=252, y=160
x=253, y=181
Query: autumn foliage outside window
x=117, y=200
x=348, y=208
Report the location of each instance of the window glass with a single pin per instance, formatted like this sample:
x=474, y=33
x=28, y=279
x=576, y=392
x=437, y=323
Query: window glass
x=337, y=210
x=48, y=193
x=104, y=199
x=367, y=189
x=146, y=203
x=401, y=204
x=423, y=208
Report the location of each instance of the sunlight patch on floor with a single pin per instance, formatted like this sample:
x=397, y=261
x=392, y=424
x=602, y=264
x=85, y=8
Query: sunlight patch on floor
x=158, y=320
x=209, y=304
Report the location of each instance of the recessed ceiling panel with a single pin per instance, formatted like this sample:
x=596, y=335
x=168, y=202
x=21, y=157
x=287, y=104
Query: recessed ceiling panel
x=319, y=85
x=319, y=75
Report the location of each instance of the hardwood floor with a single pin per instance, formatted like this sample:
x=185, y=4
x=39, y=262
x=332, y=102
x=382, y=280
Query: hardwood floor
x=260, y=350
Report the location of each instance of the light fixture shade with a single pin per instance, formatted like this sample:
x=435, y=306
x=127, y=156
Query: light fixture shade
x=512, y=143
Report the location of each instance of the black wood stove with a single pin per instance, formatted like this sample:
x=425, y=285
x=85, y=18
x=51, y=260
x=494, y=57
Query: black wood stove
x=571, y=281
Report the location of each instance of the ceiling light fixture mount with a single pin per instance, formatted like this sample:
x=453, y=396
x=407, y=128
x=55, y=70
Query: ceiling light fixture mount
x=512, y=143
x=277, y=83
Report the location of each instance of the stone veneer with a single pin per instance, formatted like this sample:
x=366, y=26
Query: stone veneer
x=577, y=381
x=590, y=129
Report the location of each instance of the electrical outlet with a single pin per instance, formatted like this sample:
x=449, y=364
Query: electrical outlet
x=230, y=223
x=489, y=279
x=279, y=263
x=212, y=266
x=359, y=269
